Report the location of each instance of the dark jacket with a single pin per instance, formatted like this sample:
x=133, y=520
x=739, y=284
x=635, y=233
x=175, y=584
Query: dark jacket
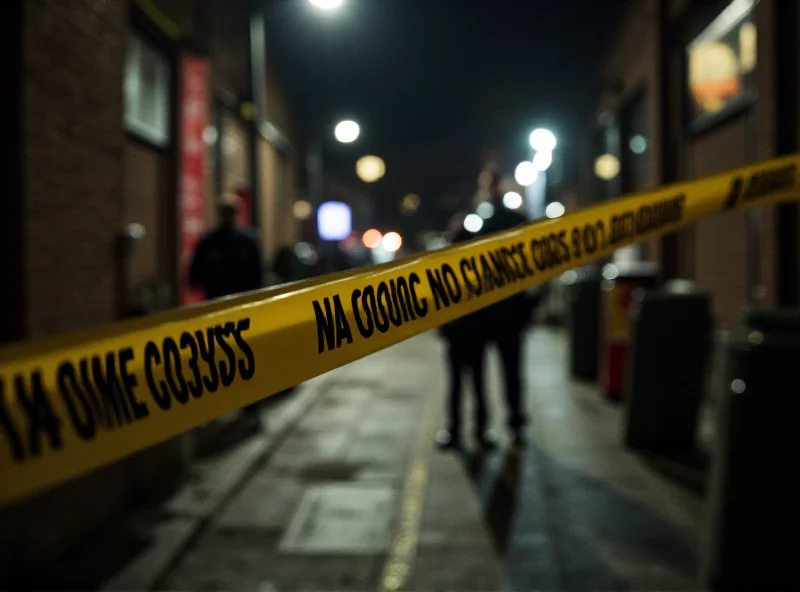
x=227, y=261
x=466, y=329
x=512, y=314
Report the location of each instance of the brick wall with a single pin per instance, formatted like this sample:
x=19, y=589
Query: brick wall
x=73, y=146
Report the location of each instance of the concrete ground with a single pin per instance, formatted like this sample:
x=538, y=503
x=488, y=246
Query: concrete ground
x=346, y=491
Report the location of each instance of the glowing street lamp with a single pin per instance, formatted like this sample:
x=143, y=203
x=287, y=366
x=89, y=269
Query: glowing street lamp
x=392, y=242
x=543, y=140
x=526, y=173
x=542, y=161
x=554, y=210
x=606, y=167
x=372, y=238
x=473, y=223
x=326, y=5
x=512, y=200
x=302, y=210
x=347, y=131
x=485, y=210
x=370, y=169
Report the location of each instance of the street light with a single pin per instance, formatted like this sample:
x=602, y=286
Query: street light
x=370, y=168
x=512, y=200
x=526, y=173
x=326, y=5
x=554, y=210
x=392, y=242
x=302, y=210
x=543, y=140
x=347, y=131
x=372, y=238
x=473, y=223
x=542, y=161
x=485, y=210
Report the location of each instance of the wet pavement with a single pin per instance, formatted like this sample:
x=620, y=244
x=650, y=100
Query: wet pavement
x=346, y=491
x=356, y=497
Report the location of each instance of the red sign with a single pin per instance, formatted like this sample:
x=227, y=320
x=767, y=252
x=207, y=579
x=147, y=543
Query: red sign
x=243, y=217
x=194, y=113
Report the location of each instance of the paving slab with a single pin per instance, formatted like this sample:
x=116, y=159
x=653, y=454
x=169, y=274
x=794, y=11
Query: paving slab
x=341, y=519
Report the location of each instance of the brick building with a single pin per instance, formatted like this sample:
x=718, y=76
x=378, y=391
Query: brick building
x=95, y=145
x=693, y=88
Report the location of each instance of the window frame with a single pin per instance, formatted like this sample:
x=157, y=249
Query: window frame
x=698, y=124
x=132, y=123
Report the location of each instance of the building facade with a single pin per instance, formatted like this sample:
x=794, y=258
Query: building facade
x=125, y=109
x=693, y=88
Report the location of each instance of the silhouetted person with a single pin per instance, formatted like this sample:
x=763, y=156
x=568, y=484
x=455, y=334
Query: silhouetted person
x=505, y=321
x=465, y=355
x=228, y=260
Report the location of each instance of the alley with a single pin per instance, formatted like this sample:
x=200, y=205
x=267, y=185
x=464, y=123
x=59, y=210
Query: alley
x=354, y=496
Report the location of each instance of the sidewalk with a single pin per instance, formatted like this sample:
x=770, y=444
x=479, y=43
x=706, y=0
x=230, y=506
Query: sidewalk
x=346, y=491
x=578, y=511
x=325, y=512
x=574, y=511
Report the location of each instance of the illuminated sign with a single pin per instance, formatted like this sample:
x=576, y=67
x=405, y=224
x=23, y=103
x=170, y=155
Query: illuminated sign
x=334, y=221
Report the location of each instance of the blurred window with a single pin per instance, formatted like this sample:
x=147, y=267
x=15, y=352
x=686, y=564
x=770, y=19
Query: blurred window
x=147, y=91
x=721, y=61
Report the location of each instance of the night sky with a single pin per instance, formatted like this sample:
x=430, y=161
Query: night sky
x=411, y=71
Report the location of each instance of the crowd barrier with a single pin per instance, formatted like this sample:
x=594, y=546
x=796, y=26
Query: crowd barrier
x=72, y=404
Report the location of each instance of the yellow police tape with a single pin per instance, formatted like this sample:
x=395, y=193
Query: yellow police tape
x=73, y=404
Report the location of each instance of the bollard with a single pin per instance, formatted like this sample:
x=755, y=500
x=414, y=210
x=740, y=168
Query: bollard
x=754, y=516
x=583, y=312
x=620, y=282
x=671, y=338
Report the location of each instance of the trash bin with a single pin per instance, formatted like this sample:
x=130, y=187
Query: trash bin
x=671, y=340
x=751, y=537
x=622, y=281
x=582, y=291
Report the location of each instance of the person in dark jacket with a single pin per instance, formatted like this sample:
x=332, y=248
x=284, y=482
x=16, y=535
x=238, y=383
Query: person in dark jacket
x=506, y=320
x=228, y=261
x=465, y=354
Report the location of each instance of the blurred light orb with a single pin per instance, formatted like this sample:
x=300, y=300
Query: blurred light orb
x=370, y=169
x=306, y=253
x=347, y=131
x=542, y=140
x=392, y=242
x=302, y=210
x=326, y=4
x=512, y=200
x=554, y=210
x=606, y=167
x=473, y=223
x=372, y=238
x=525, y=173
x=334, y=221
x=410, y=204
x=638, y=144
x=485, y=210
x=542, y=161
